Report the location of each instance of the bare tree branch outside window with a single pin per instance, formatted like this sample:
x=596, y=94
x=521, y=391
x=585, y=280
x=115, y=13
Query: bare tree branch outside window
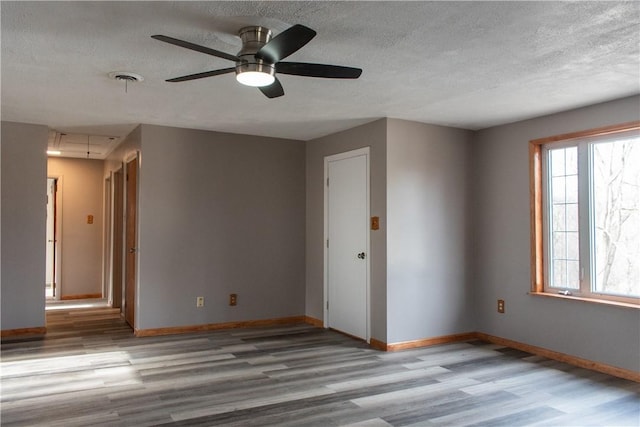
x=616, y=216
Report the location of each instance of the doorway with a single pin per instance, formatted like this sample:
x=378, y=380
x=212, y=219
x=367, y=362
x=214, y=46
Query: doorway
x=106, y=250
x=347, y=243
x=131, y=241
x=51, y=291
x=118, y=230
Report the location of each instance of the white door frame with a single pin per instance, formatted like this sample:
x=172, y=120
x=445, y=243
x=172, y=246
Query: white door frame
x=107, y=252
x=58, y=243
x=341, y=156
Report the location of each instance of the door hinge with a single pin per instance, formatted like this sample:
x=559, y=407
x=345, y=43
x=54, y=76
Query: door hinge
x=327, y=243
x=327, y=182
x=327, y=305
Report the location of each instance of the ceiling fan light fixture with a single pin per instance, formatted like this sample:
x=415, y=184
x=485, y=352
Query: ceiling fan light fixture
x=255, y=78
x=255, y=74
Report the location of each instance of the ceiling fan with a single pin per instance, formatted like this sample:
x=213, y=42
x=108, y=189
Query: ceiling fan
x=260, y=59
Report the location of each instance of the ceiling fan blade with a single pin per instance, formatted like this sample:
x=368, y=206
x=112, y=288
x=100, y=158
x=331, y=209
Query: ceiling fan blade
x=285, y=43
x=318, y=70
x=274, y=90
x=202, y=75
x=196, y=47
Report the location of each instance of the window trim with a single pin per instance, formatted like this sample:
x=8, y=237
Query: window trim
x=537, y=210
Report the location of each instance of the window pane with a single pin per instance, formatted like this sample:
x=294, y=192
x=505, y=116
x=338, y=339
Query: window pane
x=559, y=274
x=571, y=188
x=564, y=262
x=557, y=162
x=573, y=275
x=616, y=216
x=559, y=217
x=571, y=164
x=566, y=274
x=572, y=217
x=559, y=245
x=572, y=246
x=558, y=186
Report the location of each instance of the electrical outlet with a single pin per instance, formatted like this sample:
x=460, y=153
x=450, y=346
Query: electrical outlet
x=233, y=299
x=500, y=306
x=199, y=301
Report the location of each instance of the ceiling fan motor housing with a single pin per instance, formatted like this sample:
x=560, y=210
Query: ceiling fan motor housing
x=253, y=38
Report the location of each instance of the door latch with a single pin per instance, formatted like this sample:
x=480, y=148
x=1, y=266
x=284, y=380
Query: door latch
x=361, y=255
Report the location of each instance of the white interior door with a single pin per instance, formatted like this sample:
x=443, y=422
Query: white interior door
x=347, y=251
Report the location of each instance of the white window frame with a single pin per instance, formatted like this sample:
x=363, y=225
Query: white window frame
x=540, y=209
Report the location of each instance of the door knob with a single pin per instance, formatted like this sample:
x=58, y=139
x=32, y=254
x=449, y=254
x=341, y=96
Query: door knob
x=361, y=255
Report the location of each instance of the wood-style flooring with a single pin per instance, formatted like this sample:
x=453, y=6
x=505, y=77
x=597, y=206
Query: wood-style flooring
x=90, y=370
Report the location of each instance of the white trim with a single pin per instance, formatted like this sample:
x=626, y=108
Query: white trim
x=132, y=155
x=122, y=170
x=107, y=254
x=59, y=186
x=365, y=151
x=137, y=291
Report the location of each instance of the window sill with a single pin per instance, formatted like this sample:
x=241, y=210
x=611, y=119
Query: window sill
x=590, y=300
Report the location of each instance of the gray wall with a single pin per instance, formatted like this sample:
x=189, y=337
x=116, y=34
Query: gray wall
x=596, y=332
x=428, y=291
x=370, y=135
x=81, y=185
x=23, y=180
x=219, y=214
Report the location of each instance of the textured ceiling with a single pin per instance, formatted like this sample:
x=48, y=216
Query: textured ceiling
x=465, y=64
x=81, y=146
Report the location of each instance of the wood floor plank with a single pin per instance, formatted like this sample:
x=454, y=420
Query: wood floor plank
x=90, y=370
